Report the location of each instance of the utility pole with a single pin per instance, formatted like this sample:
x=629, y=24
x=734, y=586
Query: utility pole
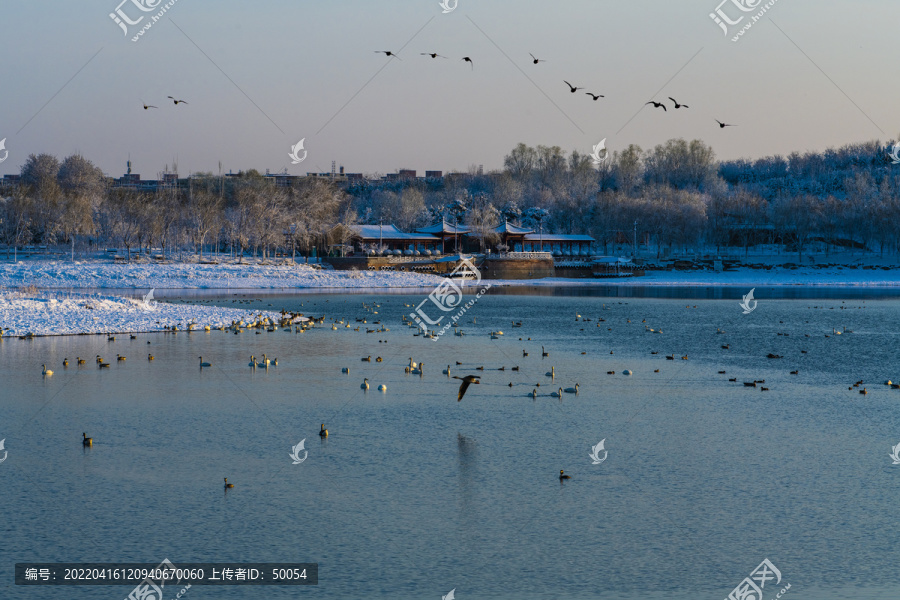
x=634, y=250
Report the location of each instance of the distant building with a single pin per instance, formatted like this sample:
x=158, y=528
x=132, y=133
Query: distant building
x=434, y=174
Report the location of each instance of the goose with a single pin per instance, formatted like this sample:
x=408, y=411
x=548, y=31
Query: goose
x=557, y=394
x=544, y=352
x=466, y=381
x=65, y=362
x=203, y=364
x=365, y=384
x=378, y=359
x=323, y=433
x=120, y=358
x=572, y=390
x=149, y=357
x=516, y=368
x=46, y=371
x=80, y=360
x=345, y=370
x=86, y=441
x=367, y=359
x=99, y=360
x=551, y=373
x=382, y=388
x=524, y=353
x=228, y=485
x=562, y=475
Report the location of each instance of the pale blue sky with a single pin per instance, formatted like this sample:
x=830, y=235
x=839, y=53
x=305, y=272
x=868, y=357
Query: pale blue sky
x=300, y=61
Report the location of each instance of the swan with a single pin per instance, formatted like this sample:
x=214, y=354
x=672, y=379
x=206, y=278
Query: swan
x=544, y=352
x=562, y=475
x=573, y=390
x=551, y=373
x=365, y=384
x=86, y=441
x=345, y=370
x=419, y=370
x=323, y=433
x=228, y=485
x=367, y=359
x=46, y=371
x=412, y=364
x=446, y=371
x=382, y=388
x=534, y=393
x=557, y=394
x=626, y=372
x=203, y=364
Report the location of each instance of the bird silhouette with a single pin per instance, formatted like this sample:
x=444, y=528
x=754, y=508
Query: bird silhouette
x=388, y=53
x=595, y=96
x=177, y=102
x=535, y=59
x=677, y=105
x=432, y=54
x=572, y=88
x=723, y=125
x=469, y=60
x=146, y=106
x=657, y=105
x=466, y=381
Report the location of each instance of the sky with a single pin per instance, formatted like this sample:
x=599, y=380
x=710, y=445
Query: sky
x=260, y=76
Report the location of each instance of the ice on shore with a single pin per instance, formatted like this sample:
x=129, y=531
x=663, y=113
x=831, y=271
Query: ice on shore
x=61, y=313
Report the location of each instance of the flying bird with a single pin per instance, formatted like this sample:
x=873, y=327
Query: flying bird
x=657, y=105
x=468, y=379
x=536, y=59
x=146, y=106
x=677, y=105
x=432, y=54
x=572, y=88
x=595, y=96
x=723, y=125
x=469, y=60
x=388, y=53
x=177, y=102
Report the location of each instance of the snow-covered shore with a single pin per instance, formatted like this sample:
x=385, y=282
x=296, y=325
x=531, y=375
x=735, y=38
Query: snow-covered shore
x=103, y=274
x=63, y=313
x=97, y=274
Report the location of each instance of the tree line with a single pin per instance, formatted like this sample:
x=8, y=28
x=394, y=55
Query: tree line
x=673, y=196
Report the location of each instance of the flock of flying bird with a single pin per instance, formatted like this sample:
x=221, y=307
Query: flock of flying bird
x=572, y=88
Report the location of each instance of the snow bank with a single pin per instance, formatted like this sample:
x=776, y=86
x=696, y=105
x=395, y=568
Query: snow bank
x=104, y=274
x=59, y=313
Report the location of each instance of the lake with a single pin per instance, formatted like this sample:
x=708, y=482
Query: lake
x=414, y=494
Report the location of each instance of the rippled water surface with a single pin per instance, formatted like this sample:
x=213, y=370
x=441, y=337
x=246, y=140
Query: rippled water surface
x=414, y=493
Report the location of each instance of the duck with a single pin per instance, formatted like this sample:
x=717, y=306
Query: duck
x=120, y=358
x=378, y=359
x=670, y=357
x=103, y=365
x=795, y=372
x=86, y=441
x=204, y=364
x=149, y=357
x=557, y=394
x=562, y=475
x=366, y=359
x=80, y=360
x=524, y=353
x=863, y=391
x=228, y=485
x=572, y=390
x=65, y=362
x=46, y=371
x=133, y=337
x=365, y=384
x=516, y=368
x=382, y=388
x=323, y=433
x=99, y=360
